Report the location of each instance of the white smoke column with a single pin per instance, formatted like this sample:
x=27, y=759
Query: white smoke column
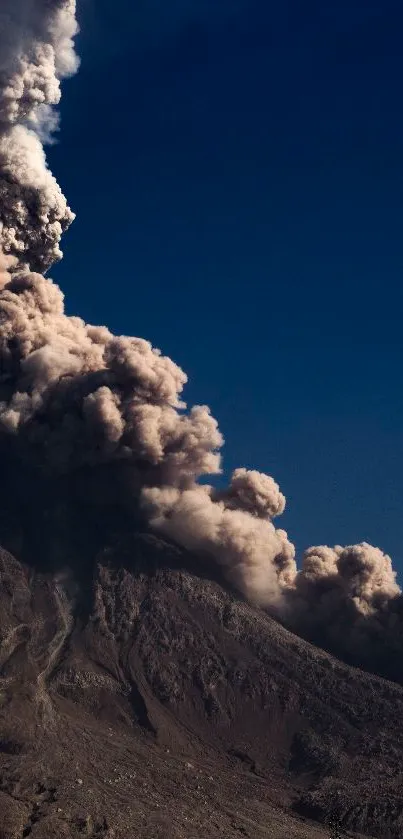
x=36, y=52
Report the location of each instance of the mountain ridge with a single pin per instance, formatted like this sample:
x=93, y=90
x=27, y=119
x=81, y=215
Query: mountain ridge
x=189, y=683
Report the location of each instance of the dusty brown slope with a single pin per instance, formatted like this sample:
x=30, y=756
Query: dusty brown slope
x=152, y=702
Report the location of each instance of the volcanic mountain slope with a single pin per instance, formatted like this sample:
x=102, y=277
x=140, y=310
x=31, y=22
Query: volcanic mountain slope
x=152, y=702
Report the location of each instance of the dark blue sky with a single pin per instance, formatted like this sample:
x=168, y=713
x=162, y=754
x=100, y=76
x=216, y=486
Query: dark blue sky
x=236, y=170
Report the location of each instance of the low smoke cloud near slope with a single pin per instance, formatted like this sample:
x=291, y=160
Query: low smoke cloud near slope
x=74, y=396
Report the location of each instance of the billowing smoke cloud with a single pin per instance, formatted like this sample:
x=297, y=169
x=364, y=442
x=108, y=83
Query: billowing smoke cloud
x=36, y=52
x=347, y=600
x=78, y=395
x=255, y=557
x=358, y=574
x=74, y=397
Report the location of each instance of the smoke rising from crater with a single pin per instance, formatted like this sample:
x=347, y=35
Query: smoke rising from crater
x=36, y=52
x=74, y=396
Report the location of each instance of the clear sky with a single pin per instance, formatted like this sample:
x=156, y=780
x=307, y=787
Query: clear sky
x=236, y=169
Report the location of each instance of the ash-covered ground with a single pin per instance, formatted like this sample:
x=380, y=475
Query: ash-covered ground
x=143, y=699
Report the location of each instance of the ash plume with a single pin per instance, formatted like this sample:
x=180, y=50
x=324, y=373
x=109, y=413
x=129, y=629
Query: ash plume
x=36, y=52
x=347, y=600
x=76, y=400
x=255, y=557
x=75, y=395
x=360, y=574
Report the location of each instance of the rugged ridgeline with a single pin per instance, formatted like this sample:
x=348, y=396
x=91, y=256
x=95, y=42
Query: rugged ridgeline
x=149, y=701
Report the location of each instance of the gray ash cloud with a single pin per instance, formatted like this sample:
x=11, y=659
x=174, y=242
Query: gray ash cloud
x=76, y=399
x=36, y=52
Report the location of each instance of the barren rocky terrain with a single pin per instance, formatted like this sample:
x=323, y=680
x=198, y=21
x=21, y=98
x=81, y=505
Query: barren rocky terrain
x=149, y=701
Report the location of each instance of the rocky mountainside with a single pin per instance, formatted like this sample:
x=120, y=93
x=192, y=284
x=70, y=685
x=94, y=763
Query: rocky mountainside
x=149, y=701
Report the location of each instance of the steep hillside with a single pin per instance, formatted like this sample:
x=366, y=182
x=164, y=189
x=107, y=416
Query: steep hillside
x=151, y=702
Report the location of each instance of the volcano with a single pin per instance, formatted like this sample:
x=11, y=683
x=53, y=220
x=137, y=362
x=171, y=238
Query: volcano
x=143, y=698
x=150, y=681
